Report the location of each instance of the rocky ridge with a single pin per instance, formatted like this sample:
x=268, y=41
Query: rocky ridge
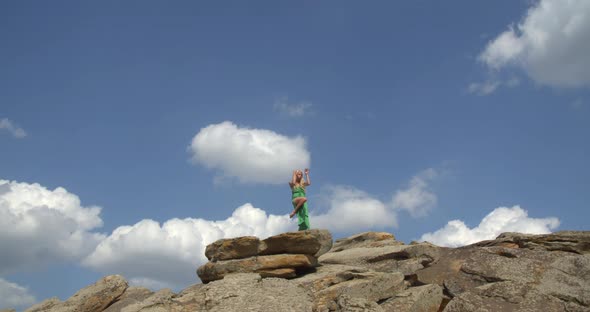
x=372, y=271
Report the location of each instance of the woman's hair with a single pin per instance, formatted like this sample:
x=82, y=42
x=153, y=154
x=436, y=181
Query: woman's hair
x=300, y=182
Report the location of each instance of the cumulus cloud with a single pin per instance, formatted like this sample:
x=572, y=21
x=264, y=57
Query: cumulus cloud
x=351, y=209
x=13, y=296
x=298, y=109
x=501, y=219
x=158, y=255
x=551, y=44
x=17, y=132
x=417, y=199
x=166, y=255
x=39, y=226
x=251, y=155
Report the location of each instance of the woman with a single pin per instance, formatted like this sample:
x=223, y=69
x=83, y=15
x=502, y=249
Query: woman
x=298, y=184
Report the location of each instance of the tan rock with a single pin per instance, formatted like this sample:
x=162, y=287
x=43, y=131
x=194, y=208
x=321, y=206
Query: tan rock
x=348, y=304
x=97, y=297
x=310, y=242
x=390, y=258
x=233, y=248
x=160, y=301
x=570, y=241
x=217, y=270
x=131, y=296
x=93, y=298
x=507, y=296
x=247, y=292
x=45, y=305
x=426, y=298
x=331, y=282
x=282, y=273
x=498, y=278
x=366, y=239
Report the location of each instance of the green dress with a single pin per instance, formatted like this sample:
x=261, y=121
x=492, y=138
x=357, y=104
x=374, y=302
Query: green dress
x=302, y=216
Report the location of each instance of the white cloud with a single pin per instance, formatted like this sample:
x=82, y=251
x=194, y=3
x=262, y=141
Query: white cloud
x=39, y=226
x=352, y=209
x=417, y=199
x=512, y=82
x=17, y=132
x=251, y=155
x=167, y=255
x=159, y=256
x=490, y=86
x=13, y=296
x=502, y=219
x=298, y=109
x=483, y=88
x=551, y=44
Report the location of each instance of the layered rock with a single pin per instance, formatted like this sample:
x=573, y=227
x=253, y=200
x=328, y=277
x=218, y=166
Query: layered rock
x=510, y=274
x=94, y=298
x=368, y=272
x=282, y=255
x=331, y=284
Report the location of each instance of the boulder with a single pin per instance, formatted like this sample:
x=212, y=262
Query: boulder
x=233, y=248
x=309, y=242
x=217, y=270
x=93, y=298
x=366, y=239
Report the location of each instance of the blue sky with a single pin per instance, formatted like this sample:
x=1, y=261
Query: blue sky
x=133, y=134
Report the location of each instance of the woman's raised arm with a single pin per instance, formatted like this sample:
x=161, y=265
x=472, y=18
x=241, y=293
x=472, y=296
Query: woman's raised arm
x=294, y=178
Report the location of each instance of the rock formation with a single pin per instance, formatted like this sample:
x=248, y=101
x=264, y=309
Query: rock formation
x=302, y=271
x=282, y=255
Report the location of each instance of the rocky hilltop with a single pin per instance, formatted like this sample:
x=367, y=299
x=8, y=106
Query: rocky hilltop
x=372, y=271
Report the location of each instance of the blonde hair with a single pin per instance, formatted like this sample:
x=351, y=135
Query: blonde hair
x=301, y=181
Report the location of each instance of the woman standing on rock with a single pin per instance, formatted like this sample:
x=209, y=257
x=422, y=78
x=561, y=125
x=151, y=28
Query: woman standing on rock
x=298, y=184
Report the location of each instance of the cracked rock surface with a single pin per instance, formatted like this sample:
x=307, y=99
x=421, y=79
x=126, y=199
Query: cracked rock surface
x=369, y=271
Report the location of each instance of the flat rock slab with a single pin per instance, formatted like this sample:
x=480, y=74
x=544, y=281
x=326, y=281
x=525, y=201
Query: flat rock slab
x=309, y=242
x=569, y=241
x=366, y=239
x=390, y=258
x=217, y=270
x=233, y=248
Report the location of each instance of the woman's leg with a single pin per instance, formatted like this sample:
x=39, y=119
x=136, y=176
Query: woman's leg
x=299, y=201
